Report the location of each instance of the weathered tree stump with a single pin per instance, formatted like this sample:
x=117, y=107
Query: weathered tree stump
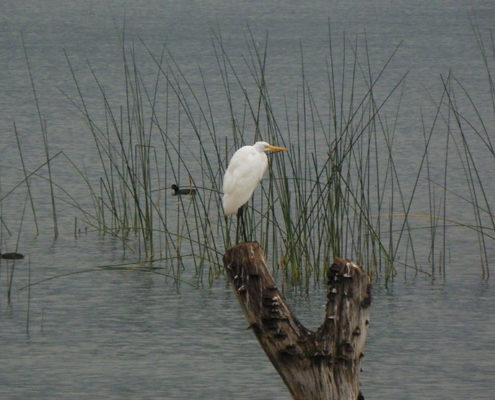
x=314, y=365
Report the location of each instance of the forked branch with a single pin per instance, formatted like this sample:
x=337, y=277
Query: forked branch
x=314, y=365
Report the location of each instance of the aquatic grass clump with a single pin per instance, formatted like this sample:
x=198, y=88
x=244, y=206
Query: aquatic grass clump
x=317, y=203
x=474, y=148
x=140, y=161
x=143, y=152
x=342, y=190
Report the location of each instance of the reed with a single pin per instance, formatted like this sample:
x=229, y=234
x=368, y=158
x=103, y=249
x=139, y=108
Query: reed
x=338, y=192
x=476, y=184
x=44, y=133
x=26, y=180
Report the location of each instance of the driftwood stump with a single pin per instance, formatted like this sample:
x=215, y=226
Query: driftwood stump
x=314, y=365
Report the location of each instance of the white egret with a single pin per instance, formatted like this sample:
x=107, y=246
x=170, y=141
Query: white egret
x=245, y=171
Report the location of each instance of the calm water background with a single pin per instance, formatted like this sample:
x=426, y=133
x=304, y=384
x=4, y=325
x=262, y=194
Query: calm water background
x=132, y=334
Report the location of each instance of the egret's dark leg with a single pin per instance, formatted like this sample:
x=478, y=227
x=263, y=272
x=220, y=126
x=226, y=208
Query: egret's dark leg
x=240, y=221
x=237, y=227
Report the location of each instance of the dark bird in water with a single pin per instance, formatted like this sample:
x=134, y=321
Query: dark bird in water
x=12, y=256
x=183, y=191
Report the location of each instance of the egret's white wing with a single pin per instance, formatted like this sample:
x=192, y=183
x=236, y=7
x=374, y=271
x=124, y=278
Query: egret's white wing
x=245, y=170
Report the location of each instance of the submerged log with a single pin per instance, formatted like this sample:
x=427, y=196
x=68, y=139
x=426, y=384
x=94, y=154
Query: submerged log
x=319, y=365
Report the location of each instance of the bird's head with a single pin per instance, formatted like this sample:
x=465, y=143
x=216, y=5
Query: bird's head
x=264, y=147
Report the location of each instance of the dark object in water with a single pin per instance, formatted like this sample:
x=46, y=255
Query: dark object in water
x=180, y=192
x=12, y=256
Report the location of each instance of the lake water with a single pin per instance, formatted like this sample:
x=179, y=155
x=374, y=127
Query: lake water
x=131, y=332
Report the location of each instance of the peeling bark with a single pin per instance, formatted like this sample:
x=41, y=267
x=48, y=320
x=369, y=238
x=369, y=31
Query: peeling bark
x=319, y=365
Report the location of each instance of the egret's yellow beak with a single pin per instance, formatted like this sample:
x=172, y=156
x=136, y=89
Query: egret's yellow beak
x=275, y=148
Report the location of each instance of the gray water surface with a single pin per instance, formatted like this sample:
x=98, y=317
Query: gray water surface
x=132, y=335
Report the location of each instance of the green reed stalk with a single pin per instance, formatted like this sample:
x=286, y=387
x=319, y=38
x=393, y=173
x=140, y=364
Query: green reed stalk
x=10, y=276
x=45, y=139
x=26, y=179
x=474, y=182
